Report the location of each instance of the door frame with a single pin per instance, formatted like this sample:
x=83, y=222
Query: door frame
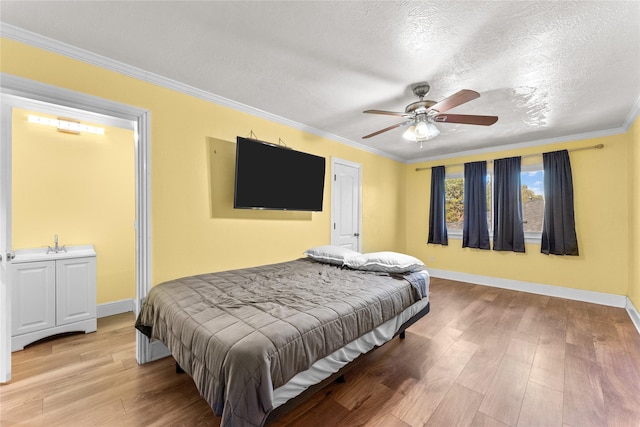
x=20, y=92
x=334, y=202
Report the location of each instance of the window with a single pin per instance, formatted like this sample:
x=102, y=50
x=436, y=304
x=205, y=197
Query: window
x=454, y=204
x=532, y=202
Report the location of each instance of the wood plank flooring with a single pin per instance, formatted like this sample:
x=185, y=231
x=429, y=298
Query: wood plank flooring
x=482, y=357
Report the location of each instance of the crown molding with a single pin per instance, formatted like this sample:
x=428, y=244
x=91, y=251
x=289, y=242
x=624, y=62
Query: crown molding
x=73, y=52
x=632, y=116
x=525, y=144
x=58, y=47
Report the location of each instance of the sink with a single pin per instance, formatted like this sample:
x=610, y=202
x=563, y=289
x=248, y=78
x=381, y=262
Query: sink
x=40, y=254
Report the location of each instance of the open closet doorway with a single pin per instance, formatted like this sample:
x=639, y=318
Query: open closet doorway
x=22, y=97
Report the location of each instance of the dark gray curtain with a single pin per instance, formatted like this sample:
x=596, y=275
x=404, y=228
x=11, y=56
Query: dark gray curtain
x=475, y=229
x=508, y=229
x=437, y=213
x=559, y=226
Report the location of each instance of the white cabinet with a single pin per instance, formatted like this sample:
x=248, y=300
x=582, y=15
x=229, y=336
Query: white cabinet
x=52, y=293
x=75, y=290
x=34, y=297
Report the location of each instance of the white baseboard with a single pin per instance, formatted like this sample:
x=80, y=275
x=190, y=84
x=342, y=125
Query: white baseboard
x=535, y=288
x=115, y=307
x=633, y=314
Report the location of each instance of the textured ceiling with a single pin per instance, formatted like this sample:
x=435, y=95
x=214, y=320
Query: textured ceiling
x=547, y=69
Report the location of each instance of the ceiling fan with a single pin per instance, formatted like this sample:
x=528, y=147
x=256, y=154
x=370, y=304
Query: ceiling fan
x=423, y=114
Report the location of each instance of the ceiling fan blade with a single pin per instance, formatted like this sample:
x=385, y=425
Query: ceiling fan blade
x=389, y=128
x=458, y=98
x=466, y=119
x=388, y=113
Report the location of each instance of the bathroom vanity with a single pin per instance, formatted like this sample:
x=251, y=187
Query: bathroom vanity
x=52, y=293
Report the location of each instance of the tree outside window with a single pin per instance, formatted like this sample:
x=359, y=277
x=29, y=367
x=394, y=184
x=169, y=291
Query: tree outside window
x=532, y=200
x=454, y=203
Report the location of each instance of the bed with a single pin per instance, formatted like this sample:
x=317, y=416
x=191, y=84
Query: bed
x=253, y=339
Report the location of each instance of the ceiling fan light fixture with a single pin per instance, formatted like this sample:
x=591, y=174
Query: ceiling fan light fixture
x=421, y=115
x=421, y=131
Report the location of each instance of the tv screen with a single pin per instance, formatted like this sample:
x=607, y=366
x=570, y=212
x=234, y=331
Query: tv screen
x=270, y=176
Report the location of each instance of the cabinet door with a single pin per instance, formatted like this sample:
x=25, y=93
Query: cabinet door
x=33, y=296
x=75, y=290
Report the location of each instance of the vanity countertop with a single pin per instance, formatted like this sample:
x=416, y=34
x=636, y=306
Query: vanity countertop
x=40, y=254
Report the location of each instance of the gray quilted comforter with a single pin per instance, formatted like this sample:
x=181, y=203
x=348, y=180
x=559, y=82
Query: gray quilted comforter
x=240, y=334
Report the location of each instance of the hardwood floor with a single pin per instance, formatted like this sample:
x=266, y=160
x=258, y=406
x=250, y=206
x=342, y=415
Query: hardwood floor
x=482, y=357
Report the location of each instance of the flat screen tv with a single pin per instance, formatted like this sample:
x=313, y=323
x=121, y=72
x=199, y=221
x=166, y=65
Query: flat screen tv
x=274, y=177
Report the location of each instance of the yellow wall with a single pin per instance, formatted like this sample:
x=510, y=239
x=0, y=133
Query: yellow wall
x=80, y=187
x=186, y=239
x=634, y=198
x=601, y=190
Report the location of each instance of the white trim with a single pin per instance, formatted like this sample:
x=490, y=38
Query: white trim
x=144, y=353
x=55, y=46
x=115, y=307
x=36, y=94
x=534, y=288
x=632, y=116
x=58, y=47
x=633, y=314
x=5, y=239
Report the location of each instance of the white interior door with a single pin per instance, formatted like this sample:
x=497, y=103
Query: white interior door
x=346, y=204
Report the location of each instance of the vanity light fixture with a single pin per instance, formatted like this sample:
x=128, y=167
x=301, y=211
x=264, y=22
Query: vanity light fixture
x=65, y=125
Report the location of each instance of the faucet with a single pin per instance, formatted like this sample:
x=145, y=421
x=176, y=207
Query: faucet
x=56, y=248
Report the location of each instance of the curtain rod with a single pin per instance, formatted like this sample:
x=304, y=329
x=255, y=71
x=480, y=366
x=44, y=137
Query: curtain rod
x=597, y=147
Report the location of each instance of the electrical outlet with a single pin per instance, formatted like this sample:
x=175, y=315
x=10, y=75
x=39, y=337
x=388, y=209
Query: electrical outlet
x=432, y=258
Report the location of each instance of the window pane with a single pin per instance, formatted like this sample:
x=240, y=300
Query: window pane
x=454, y=194
x=532, y=200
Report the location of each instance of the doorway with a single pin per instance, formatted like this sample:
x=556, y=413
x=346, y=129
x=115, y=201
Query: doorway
x=17, y=92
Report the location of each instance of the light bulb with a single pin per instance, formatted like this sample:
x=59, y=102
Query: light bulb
x=433, y=130
x=422, y=131
x=410, y=134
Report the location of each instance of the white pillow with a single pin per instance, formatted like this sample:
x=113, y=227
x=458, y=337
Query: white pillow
x=330, y=254
x=385, y=262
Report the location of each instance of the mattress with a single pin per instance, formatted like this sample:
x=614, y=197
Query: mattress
x=241, y=334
